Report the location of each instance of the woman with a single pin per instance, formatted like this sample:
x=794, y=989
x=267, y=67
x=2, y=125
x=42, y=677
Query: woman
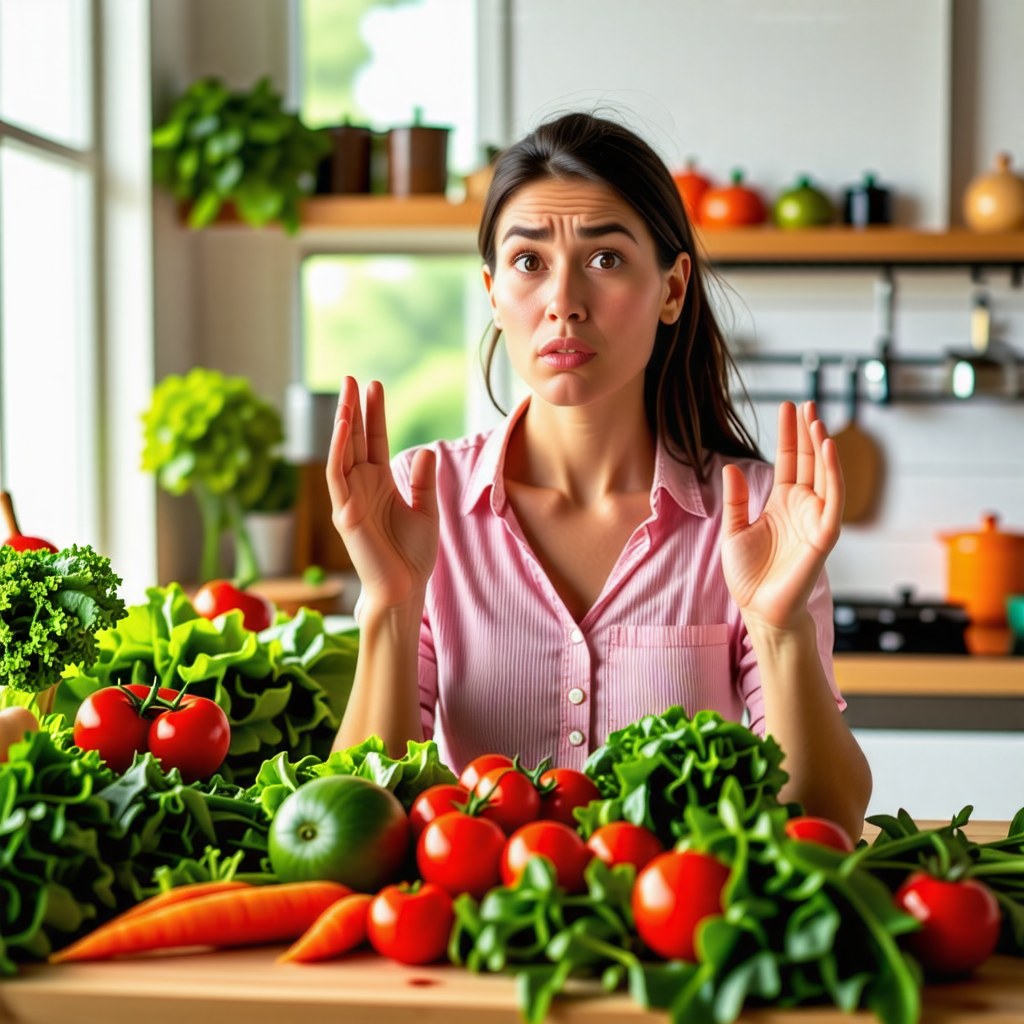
x=593, y=559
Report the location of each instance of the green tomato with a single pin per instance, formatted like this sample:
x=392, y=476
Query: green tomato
x=803, y=207
x=339, y=828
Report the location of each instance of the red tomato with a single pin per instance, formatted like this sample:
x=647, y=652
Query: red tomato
x=559, y=843
x=434, y=802
x=572, y=789
x=219, y=596
x=959, y=922
x=622, y=842
x=672, y=895
x=20, y=542
x=108, y=722
x=461, y=854
x=809, y=829
x=194, y=738
x=513, y=799
x=479, y=765
x=410, y=926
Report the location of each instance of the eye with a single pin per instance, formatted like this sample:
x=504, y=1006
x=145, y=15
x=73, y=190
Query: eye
x=607, y=259
x=527, y=262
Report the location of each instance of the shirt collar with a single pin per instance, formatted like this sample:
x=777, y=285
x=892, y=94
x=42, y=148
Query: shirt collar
x=675, y=478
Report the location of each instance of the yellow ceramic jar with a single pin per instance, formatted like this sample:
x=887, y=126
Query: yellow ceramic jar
x=995, y=201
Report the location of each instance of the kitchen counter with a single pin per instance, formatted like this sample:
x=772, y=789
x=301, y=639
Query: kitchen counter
x=247, y=985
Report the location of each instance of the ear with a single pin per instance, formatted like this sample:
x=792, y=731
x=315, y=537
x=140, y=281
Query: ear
x=676, y=281
x=489, y=285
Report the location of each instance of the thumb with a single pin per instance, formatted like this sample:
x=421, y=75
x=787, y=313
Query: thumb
x=423, y=482
x=735, y=504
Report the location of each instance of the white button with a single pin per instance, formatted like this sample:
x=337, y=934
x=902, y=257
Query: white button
x=576, y=636
x=576, y=695
x=576, y=737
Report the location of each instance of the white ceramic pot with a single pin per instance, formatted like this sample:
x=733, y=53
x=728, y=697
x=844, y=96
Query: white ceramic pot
x=273, y=541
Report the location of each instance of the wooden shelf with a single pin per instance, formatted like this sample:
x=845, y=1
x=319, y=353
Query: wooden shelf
x=755, y=246
x=892, y=675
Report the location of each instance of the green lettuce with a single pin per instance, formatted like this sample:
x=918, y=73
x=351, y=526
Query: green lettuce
x=284, y=688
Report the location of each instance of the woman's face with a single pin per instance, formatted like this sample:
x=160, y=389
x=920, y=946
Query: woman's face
x=578, y=291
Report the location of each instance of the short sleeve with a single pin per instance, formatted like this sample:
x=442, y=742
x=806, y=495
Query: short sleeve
x=748, y=681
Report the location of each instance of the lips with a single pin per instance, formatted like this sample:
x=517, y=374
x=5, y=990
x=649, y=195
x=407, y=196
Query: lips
x=565, y=346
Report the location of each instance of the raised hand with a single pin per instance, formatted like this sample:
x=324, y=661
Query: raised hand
x=392, y=544
x=772, y=564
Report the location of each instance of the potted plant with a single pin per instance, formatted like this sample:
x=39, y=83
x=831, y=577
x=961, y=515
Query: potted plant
x=219, y=146
x=212, y=435
x=270, y=520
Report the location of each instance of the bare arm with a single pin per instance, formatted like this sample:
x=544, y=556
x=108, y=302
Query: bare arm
x=393, y=547
x=771, y=567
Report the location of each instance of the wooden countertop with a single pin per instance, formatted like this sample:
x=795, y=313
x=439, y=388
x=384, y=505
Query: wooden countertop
x=943, y=675
x=248, y=985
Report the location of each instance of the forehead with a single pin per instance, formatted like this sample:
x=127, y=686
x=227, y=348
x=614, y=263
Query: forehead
x=562, y=202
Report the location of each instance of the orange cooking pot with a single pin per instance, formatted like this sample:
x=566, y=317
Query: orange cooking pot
x=985, y=567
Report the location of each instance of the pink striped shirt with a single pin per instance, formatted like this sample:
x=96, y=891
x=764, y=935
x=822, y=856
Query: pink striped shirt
x=503, y=667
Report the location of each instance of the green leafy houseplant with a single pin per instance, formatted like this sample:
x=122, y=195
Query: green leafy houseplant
x=212, y=435
x=219, y=146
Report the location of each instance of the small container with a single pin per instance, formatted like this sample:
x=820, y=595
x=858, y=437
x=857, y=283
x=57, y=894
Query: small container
x=867, y=203
x=995, y=201
x=350, y=160
x=417, y=160
x=732, y=205
x=803, y=206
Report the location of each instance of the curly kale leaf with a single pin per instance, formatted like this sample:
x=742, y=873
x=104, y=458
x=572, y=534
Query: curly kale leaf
x=52, y=604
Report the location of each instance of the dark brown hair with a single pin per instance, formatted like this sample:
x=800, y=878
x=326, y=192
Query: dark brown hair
x=686, y=384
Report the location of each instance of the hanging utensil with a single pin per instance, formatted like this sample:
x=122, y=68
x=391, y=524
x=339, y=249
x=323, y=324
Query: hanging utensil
x=860, y=457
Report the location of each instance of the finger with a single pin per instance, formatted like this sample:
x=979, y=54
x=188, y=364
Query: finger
x=785, y=446
x=423, y=482
x=735, y=501
x=377, y=450
x=337, y=485
x=835, y=487
x=348, y=399
x=358, y=431
x=818, y=436
x=805, y=446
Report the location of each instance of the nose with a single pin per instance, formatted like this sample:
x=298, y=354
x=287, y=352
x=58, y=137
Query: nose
x=566, y=301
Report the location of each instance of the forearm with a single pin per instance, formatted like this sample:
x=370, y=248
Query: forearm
x=828, y=773
x=385, y=694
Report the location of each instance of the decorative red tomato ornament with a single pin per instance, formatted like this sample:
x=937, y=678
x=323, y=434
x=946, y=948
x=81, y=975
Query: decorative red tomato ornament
x=572, y=789
x=672, y=895
x=959, y=922
x=559, y=843
x=809, y=829
x=692, y=185
x=622, y=842
x=220, y=596
x=731, y=206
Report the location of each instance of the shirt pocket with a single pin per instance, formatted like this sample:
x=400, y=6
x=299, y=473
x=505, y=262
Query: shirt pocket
x=652, y=668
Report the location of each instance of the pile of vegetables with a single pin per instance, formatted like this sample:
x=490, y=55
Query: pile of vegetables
x=282, y=689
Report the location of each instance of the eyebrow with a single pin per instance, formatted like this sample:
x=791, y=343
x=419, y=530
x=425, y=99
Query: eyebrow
x=543, y=234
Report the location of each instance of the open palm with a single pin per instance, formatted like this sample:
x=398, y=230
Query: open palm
x=772, y=564
x=392, y=544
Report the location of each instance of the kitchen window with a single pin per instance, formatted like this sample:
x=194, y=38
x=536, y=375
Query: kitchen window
x=49, y=431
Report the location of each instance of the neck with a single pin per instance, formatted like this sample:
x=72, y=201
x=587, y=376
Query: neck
x=586, y=453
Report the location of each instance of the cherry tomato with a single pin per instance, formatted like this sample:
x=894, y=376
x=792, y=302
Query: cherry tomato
x=559, y=843
x=572, y=789
x=410, y=925
x=479, y=765
x=513, y=799
x=434, y=802
x=809, y=829
x=622, y=842
x=461, y=854
x=219, y=596
x=672, y=895
x=959, y=922
x=194, y=738
x=108, y=722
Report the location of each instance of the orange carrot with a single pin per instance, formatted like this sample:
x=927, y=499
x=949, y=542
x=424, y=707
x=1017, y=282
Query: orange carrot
x=339, y=929
x=247, y=916
x=178, y=894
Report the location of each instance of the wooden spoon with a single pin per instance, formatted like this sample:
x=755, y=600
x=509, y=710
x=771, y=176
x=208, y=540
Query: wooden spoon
x=861, y=460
